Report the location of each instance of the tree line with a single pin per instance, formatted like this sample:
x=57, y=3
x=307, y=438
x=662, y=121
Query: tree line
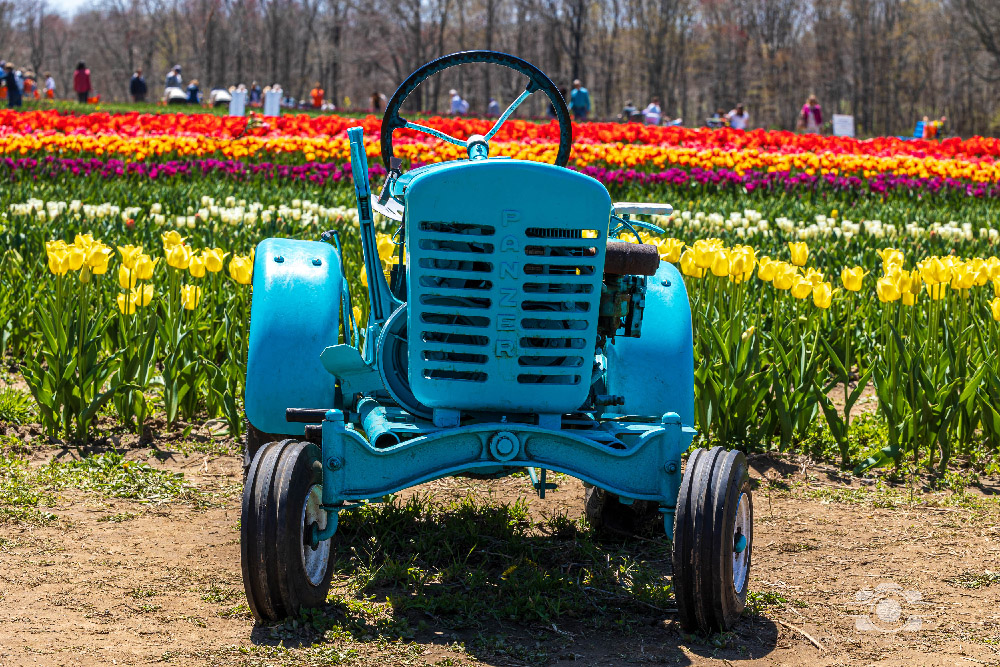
x=887, y=62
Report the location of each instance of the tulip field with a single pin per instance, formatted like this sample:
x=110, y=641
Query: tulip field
x=813, y=265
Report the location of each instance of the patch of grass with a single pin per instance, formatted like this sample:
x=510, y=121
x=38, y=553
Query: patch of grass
x=219, y=594
x=140, y=593
x=121, y=517
x=16, y=406
x=111, y=475
x=760, y=601
x=473, y=563
x=24, y=489
x=868, y=435
x=210, y=447
x=882, y=496
x=241, y=610
x=974, y=580
x=20, y=494
x=797, y=547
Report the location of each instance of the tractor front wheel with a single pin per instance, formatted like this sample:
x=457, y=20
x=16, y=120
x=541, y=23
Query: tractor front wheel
x=713, y=540
x=282, y=496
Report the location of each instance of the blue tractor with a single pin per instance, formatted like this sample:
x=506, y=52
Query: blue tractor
x=507, y=338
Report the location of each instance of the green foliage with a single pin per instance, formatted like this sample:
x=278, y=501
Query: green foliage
x=16, y=406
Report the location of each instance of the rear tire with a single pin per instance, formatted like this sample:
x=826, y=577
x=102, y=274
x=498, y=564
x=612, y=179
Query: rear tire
x=253, y=440
x=282, y=573
x=713, y=540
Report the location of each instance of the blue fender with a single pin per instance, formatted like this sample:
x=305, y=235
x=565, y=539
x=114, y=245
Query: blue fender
x=294, y=316
x=655, y=373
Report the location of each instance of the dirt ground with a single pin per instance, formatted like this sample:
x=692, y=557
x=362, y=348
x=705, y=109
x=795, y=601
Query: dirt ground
x=854, y=577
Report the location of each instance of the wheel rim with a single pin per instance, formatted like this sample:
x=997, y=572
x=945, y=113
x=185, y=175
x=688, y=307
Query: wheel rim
x=742, y=538
x=314, y=561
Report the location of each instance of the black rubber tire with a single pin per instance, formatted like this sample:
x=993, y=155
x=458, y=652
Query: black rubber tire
x=704, y=526
x=274, y=576
x=253, y=440
x=608, y=516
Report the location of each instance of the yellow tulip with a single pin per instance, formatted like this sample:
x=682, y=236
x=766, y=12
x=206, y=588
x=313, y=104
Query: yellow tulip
x=995, y=308
x=190, y=296
x=962, y=277
x=786, y=277
x=58, y=257
x=909, y=299
x=852, y=279
x=178, y=256
x=800, y=252
x=670, y=250
x=742, y=261
x=814, y=277
x=934, y=271
x=890, y=257
x=823, y=295
x=144, y=265
x=720, y=264
x=171, y=238
x=126, y=303
x=386, y=249
x=142, y=295
x=767, y=269
x=83, y=241
x=197, y=266
x=704, y=252
x=214, y=258
x=980, y=271
x=97, y=259
x=993, y=265
x=241, y=269
x=126, y=278
x=689, y=266
x=77, y=257
x=749, y=332
x=887, y=290
x=801, y=287
x=129, y=254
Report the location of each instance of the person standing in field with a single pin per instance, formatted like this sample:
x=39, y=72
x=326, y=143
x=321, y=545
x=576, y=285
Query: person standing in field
x=81, y=82
x=137, y=86
x=50, y=86
x=459, y=107
x=652, y=113
x=811, y=116
x=10, y=82
x=738, y=118
x=579, y=101
x=316, y=95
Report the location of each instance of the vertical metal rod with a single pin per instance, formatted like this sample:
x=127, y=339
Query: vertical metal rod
x=379, y=296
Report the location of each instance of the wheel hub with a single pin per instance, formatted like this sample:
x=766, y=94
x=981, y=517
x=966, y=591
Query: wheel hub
x=314, y=560
x=742, y=536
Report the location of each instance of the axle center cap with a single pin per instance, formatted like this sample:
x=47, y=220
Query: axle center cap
x=504, y=446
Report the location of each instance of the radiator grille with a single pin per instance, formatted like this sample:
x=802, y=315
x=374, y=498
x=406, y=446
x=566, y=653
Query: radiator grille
x=504, y=262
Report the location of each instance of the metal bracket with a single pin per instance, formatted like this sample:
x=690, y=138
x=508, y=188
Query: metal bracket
x=539, y=483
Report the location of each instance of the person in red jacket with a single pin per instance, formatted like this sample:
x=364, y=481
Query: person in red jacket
x=81, y=82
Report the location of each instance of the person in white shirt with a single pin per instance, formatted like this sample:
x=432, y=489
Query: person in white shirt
x=50, y=87
x=459, y=107
x=738, y=118
x=652, y=113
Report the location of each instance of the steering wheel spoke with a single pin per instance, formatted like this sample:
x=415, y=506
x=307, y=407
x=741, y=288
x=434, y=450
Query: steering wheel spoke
x=435, y=133
x=506, y=114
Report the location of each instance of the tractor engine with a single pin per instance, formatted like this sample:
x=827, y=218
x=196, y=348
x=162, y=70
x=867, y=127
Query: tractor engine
x=511, y=297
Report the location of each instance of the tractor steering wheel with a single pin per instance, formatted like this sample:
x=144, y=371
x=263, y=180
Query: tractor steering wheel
x=537, y=80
